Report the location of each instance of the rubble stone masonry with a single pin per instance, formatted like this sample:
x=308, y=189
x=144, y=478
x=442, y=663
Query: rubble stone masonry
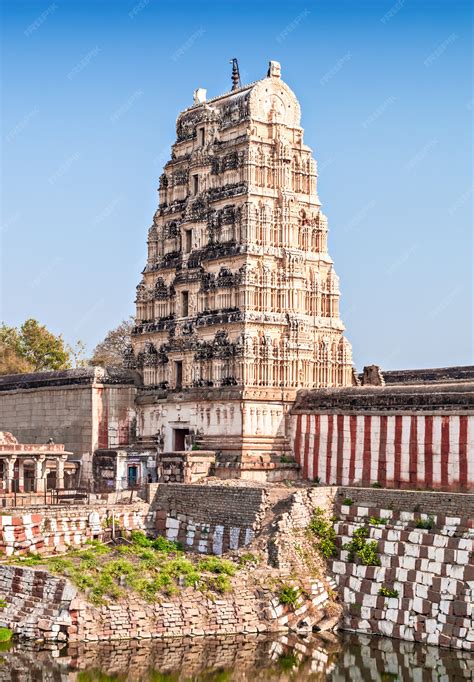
x=430, y=569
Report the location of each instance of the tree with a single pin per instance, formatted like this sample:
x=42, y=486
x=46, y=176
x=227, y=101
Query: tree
x=31, y=348
x=109, y=352
x=11, y=362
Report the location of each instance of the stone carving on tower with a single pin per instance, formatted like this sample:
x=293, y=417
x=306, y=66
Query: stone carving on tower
x=238, y=307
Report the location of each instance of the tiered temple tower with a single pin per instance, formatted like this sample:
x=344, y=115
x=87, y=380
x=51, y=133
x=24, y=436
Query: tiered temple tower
x=238, y=307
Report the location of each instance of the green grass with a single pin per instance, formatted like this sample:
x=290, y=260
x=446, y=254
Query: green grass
x=426, y=524
x=289, y=595
x=248, y=558
x=149, y=567
x=388, y=592
x=374, y=521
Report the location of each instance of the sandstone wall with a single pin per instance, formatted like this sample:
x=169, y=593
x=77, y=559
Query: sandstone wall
x=84, y=409
x=63, y=413
x=407, y=450
x=209, y=518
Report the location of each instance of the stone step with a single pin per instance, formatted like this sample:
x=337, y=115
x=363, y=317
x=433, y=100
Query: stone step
x=415, y=536
x=409, y=519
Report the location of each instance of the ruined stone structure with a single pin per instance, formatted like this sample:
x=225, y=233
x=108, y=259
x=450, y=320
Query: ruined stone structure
x=238, y=307
x=32, y=467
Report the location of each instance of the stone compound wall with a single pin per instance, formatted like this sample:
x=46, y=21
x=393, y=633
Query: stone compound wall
x=209, y=518
x=396, y=450
x=432, y=571
x=41, y=606
x=53, y=529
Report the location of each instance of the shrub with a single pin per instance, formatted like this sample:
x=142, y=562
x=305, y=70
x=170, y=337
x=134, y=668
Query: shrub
x=214, y=564
x=163, y=545
x=218, y=583
x=347, y=502
x=139, y=538
x=248, y=558
x=5, y=634
x=374, y=521
x=426, y=524
x=377, y=485
x=361, y=549
x=387, y=592
x=289, y=595
x=325, y=533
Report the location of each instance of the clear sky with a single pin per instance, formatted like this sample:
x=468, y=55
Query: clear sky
x=91, y=91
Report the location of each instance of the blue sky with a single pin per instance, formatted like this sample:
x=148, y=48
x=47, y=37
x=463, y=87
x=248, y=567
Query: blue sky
x=91, y=91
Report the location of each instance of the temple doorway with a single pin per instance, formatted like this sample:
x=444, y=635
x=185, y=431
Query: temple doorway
x=180, y=439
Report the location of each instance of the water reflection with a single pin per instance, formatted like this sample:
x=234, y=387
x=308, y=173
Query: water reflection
x=237, y=659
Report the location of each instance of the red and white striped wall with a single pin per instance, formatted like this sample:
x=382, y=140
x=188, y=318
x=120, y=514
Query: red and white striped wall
x=406, y=451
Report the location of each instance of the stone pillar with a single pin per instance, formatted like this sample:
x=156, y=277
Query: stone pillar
x=40, y=474
x=8, y=473
x=21, y=475
x=60, y=472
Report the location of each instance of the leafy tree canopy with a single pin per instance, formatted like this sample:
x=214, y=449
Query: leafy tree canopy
x=109, y=352
x=31, y=348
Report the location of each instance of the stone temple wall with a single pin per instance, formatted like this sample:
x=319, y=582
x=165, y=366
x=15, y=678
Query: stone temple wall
x=399, y=451
x=85, y=409
x=416, y=430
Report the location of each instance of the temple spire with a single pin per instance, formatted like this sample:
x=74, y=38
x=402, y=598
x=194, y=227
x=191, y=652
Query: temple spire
x=235, y=74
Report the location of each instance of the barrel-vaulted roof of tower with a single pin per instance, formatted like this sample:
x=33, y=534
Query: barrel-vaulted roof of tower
x=268, y=99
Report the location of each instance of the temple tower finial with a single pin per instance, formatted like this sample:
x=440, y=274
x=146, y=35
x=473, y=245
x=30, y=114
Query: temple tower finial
x=235, y=74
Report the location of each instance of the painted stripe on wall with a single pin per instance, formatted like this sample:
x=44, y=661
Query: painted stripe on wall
x=413, y=452
x=453, y=457
x=353, y=436
x=420, y=429
x=444, y=450
x=317, y=438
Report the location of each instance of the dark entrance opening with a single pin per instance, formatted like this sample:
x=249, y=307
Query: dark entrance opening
x=132, y=476
x=29, y=479
x=179, y=438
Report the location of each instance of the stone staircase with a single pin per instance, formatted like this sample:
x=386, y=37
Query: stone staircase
x=426, y=559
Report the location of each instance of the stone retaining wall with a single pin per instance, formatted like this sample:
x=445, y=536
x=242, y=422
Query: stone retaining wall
x=449, y=504
x=209, y=518
x=42, y=606
x=432, y=571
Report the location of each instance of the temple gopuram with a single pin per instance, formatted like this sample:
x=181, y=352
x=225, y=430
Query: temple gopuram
x=238, y=307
